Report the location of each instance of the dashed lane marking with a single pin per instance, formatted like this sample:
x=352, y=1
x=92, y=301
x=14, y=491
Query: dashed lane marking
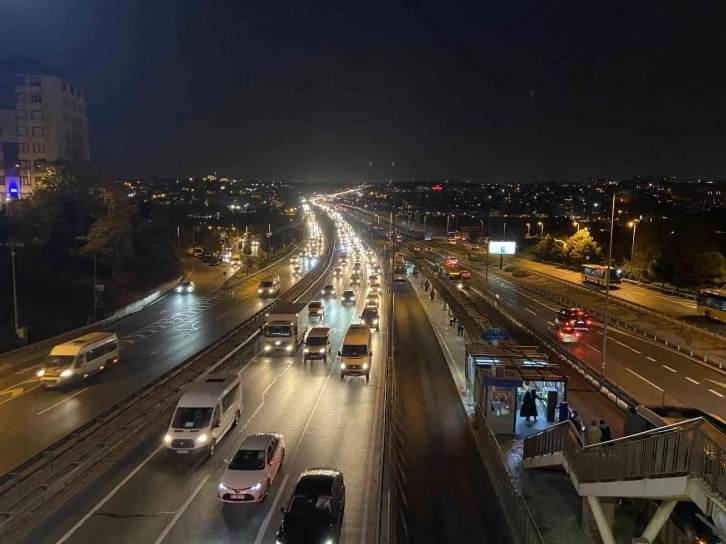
x=668, y=368
x=693, y=381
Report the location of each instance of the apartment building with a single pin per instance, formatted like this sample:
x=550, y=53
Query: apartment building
x=43, y=118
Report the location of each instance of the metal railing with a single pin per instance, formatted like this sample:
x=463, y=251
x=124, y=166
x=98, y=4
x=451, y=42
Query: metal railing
x=39, y=479
x=684, y=448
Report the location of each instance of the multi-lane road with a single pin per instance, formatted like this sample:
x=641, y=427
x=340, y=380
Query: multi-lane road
x=152, y=342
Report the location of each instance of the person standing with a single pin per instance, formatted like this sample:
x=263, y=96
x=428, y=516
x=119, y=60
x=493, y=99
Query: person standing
x=460, y=329
x=526, y=408
x=433, y=294
x=634, y=424
x=534, y=398
x=593, y=435
x=605, y=431
x=426, y=285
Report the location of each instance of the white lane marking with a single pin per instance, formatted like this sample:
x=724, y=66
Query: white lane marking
x=229, y=312
x=650, y=358
x=18, y=392
x=273, y=508
x=693, y=381
x=531, y=311
x=143, y=358
x=550, y=323
x=668, y=368
x=108, y=497
x=62, y=401
x=181, y=510
x=642, y=378
x=635, y=351
x=716, y=393
x=722, y=384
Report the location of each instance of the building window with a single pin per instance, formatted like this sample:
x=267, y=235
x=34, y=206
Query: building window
x=34, y=81
x=73, y=106
x=65, y=102
x=24, y=165
x=24, y=180
x=38, y=131
x=36, y=115
x=40, y=164
x=20, y=80
x=2, y=180
x=24, y=148
x=38, y=148
x=65, y=118
x=64, y=86
x=73, y=90
x=21, y=97
x=21, y=114
x=36, y=98
x=22, y=131
x=79, y=94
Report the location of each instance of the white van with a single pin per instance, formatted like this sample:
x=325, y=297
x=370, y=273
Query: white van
x=317, y=344
x=269, y=286
x=355, y=354
x=204, y=414
x=78, y=359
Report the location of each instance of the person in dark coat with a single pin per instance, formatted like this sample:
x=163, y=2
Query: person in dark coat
x=534, y=398
x=607, y=434
x=526, y=410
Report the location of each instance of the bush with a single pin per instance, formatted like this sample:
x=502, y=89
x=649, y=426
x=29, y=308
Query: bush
x=510, y=268
x=521, y=273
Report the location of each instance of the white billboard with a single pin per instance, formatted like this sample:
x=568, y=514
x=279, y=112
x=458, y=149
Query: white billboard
x=502, y=248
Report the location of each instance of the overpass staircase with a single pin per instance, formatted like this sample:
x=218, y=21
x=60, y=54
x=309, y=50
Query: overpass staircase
x=685, y=461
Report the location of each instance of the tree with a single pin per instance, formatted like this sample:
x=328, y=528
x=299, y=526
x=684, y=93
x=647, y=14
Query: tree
x=548, y=249
x=111, y=236
x=582, y=245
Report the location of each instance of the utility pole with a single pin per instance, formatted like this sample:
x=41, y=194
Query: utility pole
x=501, y=255
x=12, y=246
x=95, y=303
x=178, y=241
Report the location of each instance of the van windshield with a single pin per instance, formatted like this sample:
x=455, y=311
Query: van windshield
x=59, y=360
x=278, y=330
x=316, y=341
x=266, y=284
x=354, y=351
x=191, y=418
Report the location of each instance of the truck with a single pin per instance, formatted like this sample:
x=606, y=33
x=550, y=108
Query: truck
x=285, y=328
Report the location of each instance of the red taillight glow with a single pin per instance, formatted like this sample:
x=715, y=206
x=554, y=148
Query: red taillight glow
x=559, y=333
x=577, y=335
x=588, y=322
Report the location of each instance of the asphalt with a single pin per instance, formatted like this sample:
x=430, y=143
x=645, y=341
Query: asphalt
x=648, y=371
x=324, y=421
x=446, y=493
x=152, y=342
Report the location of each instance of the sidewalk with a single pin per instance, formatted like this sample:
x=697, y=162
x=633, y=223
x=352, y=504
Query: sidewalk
x=550, y=496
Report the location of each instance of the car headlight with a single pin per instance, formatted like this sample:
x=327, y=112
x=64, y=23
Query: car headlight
x=178, y=289
x=259, y=290
x=167, y=438
x=322, y=350
x=201, y=439
x=67, y=372
x=365, y=366
x=41, y=372
x=256, y=487
x=329, y=541
x=288, y=348
x=306, y=350
x=267, y=348
x=223, y=487
x=375, y=322
x=342, y=365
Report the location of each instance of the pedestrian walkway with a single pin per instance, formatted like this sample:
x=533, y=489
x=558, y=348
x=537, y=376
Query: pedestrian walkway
x=550, y=496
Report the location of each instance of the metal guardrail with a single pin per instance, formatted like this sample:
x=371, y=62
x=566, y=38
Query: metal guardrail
x=39, y=479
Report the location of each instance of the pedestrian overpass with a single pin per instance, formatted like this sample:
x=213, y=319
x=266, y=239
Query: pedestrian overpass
x=685, y=461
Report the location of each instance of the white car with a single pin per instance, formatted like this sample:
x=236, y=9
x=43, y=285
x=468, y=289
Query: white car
x=568, y=335
x=328, y=290
x=374, y=287
x=338, y=272
x=316, y=309
x=253, y=468
x=296, y=271
x=373, y=278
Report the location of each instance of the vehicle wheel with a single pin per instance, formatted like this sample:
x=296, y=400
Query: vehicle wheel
x=368, y=377
x=212, y=447
x=236, y=419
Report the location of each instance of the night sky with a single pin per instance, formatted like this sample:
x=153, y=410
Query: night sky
x=315, y=91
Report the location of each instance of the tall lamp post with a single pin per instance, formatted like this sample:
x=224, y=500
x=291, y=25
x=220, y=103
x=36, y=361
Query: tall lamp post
x=577, y=224
x=607, y=289
x=634, y=225
x=12, y=246
x=528, y=226
x=541, y=229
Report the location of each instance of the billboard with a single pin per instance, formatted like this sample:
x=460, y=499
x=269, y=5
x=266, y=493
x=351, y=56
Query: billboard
x=427, y=236
x=502, y=248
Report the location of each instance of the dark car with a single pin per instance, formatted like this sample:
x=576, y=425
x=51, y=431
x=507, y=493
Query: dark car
x=370, y=317
x=573, y=317
x=315, y=511
x=348, y=297
x=214, y=261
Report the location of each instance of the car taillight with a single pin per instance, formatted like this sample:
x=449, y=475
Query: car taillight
x=559, y=333
x=577, y=335
x=587, y=322
x=572, y=321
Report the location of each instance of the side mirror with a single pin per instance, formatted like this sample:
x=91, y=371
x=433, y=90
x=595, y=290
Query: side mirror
x=340, y=354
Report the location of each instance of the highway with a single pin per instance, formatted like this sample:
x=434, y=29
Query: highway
x=152, y=342
x=447, y=494
x=324, y=421
x=650, y=372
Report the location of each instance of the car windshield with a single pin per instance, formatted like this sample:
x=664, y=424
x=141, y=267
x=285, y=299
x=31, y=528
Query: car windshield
x=186, y=283
x=191, y=418
x=316, y=341
x=349, y=294
x=306, y=505
x=354, y=351
x=266, y=284
x=278, y=330
x=248, y=460
x=59, y=360
x=315, y=305
x=328, y=288
x=367, y=314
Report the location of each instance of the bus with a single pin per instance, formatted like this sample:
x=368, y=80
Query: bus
x=399, y=273
x=453, y=237
x=712, y=304
x=594, y=273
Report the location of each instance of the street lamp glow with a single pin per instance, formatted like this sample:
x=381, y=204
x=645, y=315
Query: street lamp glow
x=541, y=228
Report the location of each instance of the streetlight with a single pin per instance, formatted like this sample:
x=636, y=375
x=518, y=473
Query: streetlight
x=577, y=224
x=634, y=225
x=541, y=229
x=607, y=288
x=482, y=228
x=528, y=225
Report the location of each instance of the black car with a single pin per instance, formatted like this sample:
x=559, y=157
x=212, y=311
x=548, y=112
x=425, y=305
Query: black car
x=370, y=317
x=214, y=261
x=573, y=317
x=315, y=511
